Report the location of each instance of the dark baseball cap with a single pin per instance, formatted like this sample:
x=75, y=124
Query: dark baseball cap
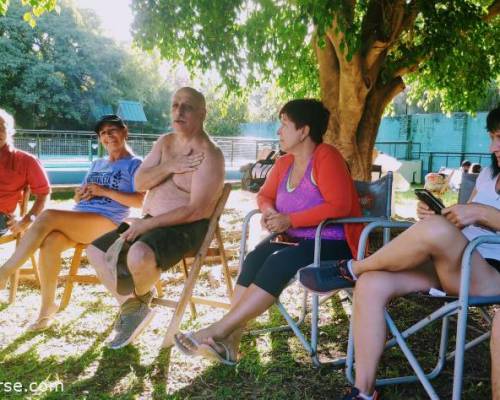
x=111, y=119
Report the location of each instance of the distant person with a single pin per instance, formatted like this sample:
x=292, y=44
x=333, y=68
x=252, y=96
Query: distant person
x=456, y=179
x=465, y=166
x=102, y=202
x=475, y=168
x=184, y=177
x=18, y=170
x=307, y=185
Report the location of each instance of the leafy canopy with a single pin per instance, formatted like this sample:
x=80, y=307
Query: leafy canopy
x=449, y=50
x=36, y=8
x=55, y=74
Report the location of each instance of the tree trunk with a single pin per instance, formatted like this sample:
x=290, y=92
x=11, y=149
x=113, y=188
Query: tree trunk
x=356, y=108
x=352, y=88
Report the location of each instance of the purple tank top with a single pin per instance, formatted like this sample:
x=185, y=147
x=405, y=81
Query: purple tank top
x=306, y=195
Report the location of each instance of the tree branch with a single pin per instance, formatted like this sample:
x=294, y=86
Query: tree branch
x=329, y=76
x=493, y=11
x=397, y=17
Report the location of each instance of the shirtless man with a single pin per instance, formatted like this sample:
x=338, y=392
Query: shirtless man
x=184, y=177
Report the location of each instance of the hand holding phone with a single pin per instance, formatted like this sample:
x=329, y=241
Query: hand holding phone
x=428, y=198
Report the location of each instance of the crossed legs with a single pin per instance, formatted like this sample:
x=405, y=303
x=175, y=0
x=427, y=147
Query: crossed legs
x=401, y=267
x=53, y=232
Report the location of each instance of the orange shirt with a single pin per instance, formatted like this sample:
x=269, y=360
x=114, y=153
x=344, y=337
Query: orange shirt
x=19, y=169
x=335, y=184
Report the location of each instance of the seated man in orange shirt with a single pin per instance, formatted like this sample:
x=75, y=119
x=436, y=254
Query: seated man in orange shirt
x=18, y=169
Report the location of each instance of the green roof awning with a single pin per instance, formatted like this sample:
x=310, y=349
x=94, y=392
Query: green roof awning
x=131, y=111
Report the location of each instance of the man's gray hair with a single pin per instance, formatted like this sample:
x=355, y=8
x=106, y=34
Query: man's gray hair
x=9, y=124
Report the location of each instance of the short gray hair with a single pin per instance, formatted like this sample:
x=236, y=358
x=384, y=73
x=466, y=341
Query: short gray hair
x=9, y=124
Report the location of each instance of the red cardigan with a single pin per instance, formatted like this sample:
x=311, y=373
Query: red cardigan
x=335, y=185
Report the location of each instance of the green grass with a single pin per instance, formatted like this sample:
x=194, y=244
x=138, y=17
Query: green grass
x=273, y=366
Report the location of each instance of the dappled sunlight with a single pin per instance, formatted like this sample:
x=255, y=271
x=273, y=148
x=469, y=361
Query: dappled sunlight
x=73, y=349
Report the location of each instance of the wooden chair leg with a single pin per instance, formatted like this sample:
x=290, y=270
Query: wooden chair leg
x=14, y=283
x=225, y=266
x=186, y=294
x=186, y=274
x=73, y=270
x=159, y=289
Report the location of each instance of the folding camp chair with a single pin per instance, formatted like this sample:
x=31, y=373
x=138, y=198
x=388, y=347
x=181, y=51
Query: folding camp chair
x=375, y=200
x=452, y=305
x=14, y=279
x=74, y=277
x=191, y=276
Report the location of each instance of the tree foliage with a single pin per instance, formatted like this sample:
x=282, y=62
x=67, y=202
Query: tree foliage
x=54, y=74
x=356, y=54
x=34, y=10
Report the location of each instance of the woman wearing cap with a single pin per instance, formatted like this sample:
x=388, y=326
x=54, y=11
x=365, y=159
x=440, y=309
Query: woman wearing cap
x=102, y=202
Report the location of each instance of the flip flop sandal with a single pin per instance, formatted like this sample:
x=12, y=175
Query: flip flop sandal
x=182, y=348
x=211, y=353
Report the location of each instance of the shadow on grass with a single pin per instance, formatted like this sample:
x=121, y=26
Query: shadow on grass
x=283, y=372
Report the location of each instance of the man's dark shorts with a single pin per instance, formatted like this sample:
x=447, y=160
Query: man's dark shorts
x=169, y=243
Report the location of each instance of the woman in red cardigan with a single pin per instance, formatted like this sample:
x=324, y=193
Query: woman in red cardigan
x=307, y=185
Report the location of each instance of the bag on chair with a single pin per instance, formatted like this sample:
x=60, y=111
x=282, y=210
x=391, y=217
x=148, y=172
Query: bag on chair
x=255, y=175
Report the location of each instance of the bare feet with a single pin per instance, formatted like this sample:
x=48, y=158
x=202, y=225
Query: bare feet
x=227, y=347
x=45, y=319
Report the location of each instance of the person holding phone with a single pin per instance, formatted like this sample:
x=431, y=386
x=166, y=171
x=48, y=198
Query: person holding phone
x=310, y=183
x=18, y=169
x=102, y=202
x=427, y=255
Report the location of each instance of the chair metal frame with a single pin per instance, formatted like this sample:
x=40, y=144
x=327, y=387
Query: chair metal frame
x=294, y=324
x=453, y=306
x=191, y=276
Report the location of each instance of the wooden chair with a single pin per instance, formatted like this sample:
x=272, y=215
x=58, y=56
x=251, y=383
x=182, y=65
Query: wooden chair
x=14, y=279
x=73, y=277
x=191, y=276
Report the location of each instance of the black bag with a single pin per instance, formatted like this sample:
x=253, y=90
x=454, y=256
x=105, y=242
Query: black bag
x=255, y=176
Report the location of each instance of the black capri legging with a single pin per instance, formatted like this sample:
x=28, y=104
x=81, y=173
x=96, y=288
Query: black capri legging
x=271, y=266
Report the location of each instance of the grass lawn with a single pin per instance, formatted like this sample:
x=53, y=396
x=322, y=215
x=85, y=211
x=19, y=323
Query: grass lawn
x=273, y=366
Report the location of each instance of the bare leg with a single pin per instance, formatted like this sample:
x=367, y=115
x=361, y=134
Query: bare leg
x=253, y=302
x=233, y=340
x=372, y=293
x=97, y=260
x=141, y=262
x=433, y=239
x=79, y=227
x=495, y=357
x=49, y=266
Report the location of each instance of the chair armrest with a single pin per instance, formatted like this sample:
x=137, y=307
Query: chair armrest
x=373, y=223
x=244, y=234
x=466, y=264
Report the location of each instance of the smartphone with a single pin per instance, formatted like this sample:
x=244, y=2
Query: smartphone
x=281, y=239
x=428, y=198
x=122, y=227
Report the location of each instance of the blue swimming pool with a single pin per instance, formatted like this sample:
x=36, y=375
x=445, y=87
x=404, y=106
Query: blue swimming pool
x=72, y=172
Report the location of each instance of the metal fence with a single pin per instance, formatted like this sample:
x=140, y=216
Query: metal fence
x=64, y=146
x=61, y=146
